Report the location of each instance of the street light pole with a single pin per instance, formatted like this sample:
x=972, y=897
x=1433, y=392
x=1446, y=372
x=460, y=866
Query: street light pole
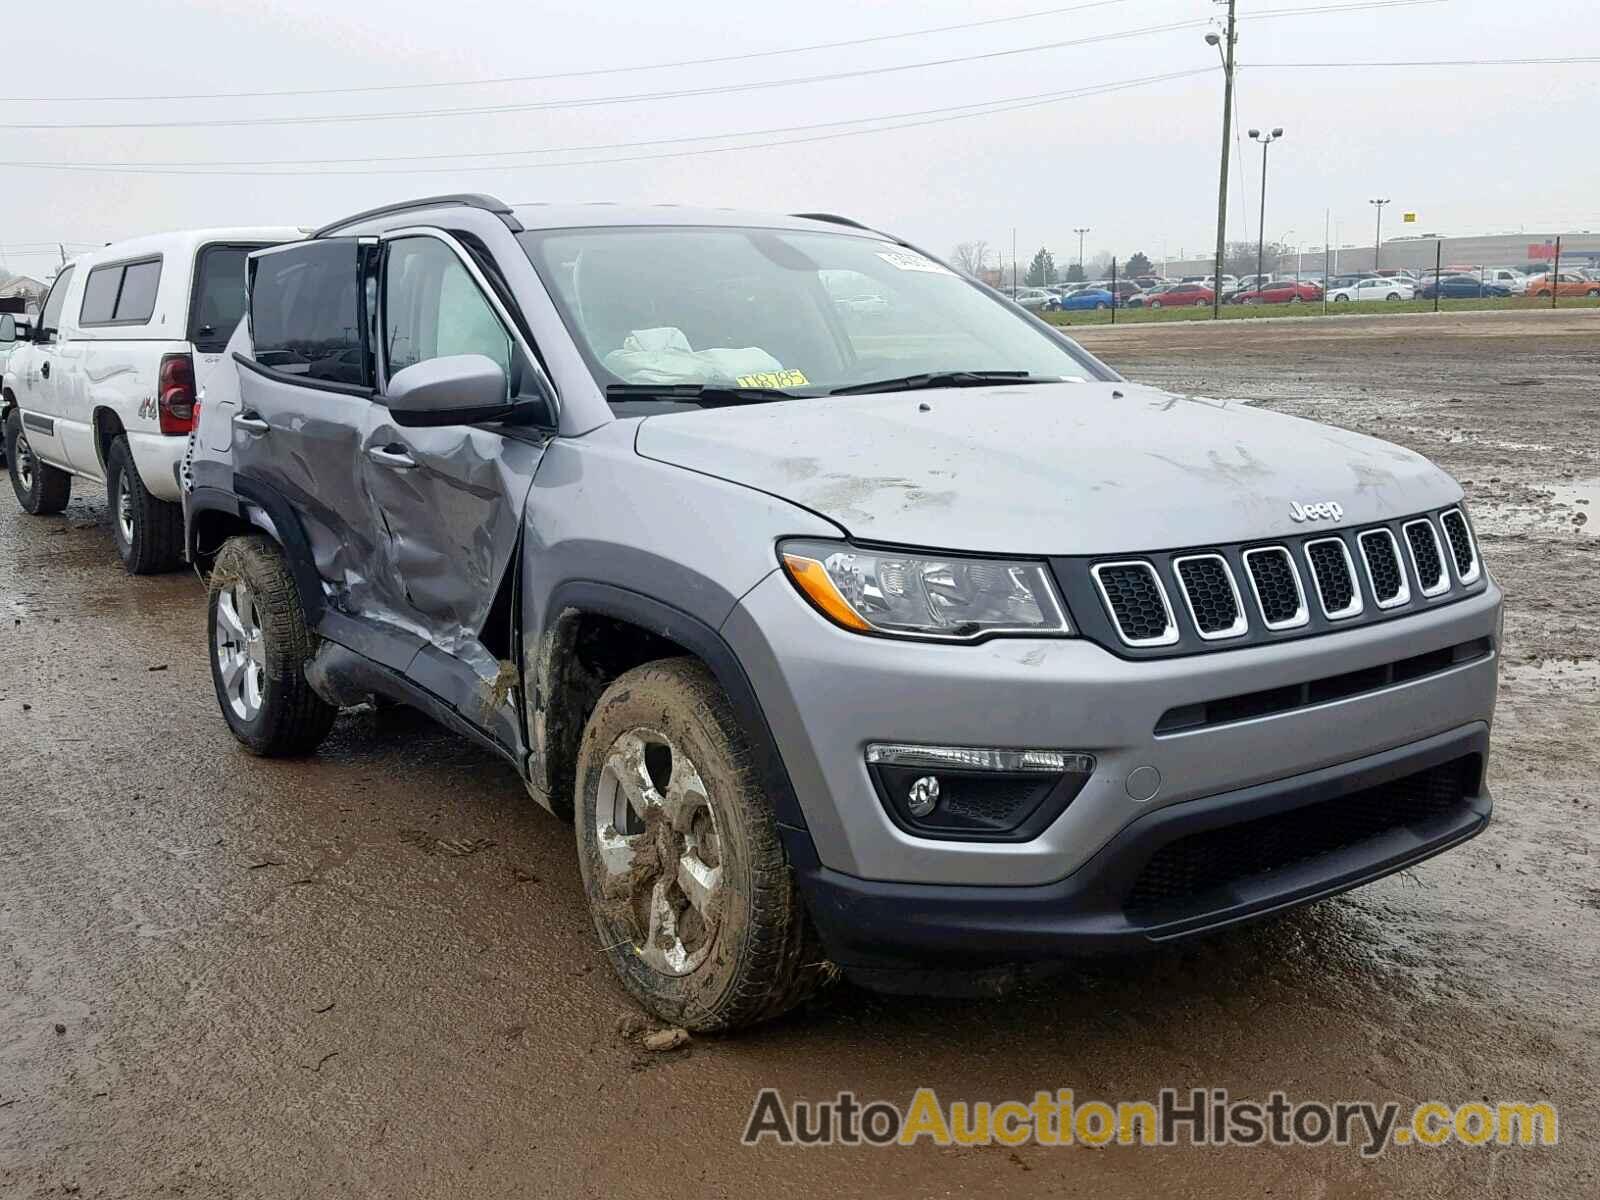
x=1377, y=241
x=1266, y=139
x=1228, y=40
x=1080, y=233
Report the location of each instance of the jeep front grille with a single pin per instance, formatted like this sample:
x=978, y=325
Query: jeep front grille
x=1335, y=578
x=1213, y=598
x=1425, y=557
x=1138, y=603
x=1384, y=572
x=1462, y=548
x=1275, y=580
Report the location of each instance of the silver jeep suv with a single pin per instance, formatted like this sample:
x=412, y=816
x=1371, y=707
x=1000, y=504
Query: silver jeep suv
x=860, y=620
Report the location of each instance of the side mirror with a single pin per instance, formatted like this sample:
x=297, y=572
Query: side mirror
x=458, y=389
x=8, y=329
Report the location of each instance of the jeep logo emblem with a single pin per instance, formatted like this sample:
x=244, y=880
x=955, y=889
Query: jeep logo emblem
x=1326, y=511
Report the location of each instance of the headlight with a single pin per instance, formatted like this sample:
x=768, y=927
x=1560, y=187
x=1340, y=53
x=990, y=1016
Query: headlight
x=910, y=594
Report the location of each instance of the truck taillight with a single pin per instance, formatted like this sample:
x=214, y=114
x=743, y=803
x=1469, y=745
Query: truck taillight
x=176, y=405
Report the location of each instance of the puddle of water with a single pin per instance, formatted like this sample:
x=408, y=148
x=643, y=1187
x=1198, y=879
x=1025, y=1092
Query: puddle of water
x=1569, y=506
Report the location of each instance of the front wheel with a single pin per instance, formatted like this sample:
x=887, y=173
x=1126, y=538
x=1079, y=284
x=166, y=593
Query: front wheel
x=1392, y=296
x=692, y=897
x=1155, y=304
x=260, y=645
x=41, y=489
x=148, y=532
x=1341, y=299
x=1297, y=299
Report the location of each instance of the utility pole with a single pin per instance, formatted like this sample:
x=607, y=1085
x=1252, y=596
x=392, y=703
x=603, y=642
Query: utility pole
x=1080, y=233
x=1013, y=262
x=1261, y=233
x=1377, y=242
x=1229, y=40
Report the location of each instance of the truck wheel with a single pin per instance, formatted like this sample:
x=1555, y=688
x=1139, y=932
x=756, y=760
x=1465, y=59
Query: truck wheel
x=260, y=645
x=41, y=489
x=692, y=897
x=148, y=532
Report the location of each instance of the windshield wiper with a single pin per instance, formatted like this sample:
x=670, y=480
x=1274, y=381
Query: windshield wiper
x=942, y=379
x=707, y=395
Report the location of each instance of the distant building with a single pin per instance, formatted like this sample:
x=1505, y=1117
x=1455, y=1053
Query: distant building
x=25, y=287
x=1421, y=252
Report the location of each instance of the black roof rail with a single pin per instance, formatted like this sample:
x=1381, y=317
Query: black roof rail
x=833, y=219
x=460, y=199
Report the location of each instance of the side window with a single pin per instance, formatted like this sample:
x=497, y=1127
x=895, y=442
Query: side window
x=100, y=295
x=307, y=312
x=218, y=300
x=50, y=317
x=432, y=308
x=137, y=300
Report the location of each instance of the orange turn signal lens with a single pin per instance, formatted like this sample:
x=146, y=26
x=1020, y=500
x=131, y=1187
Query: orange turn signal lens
x=811, y=577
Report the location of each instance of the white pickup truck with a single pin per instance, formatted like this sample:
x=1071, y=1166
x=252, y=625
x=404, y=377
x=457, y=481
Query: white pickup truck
x=103, y=385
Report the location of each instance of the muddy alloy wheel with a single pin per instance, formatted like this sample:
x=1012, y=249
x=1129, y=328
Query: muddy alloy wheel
x=241, y=649
x=660, y=849
x=260, y=645
x=692, y=897
x=24, y=456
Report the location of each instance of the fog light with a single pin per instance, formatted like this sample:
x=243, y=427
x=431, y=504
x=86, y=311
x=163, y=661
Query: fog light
x=978, y=794
x=923, y=797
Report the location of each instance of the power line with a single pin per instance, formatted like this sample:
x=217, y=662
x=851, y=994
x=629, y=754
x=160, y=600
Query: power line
x=541, y=105
x=214, y=166
x=584, y=74
x=1432, y=62
x=715, y=90
x=945, y=116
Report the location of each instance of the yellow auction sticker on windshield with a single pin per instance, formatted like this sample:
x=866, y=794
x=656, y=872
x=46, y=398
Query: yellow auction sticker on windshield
x=774, y=379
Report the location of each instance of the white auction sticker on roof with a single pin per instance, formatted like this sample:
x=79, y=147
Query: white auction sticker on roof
x=907, y=260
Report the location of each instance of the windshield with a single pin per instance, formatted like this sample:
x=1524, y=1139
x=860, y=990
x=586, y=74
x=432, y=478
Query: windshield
x=801, y=312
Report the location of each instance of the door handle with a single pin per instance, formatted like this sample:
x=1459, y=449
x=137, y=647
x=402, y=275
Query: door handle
x=44, y=368
x=251, y=424
x=397, y=460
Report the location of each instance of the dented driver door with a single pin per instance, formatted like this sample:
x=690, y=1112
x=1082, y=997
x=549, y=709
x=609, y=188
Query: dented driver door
x=449, y=499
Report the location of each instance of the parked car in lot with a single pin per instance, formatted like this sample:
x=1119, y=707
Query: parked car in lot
x=1088, y=298
x=1280, y=291
x=1461, y=287
x=1189, y=295
x=1038, y=300
x=622, y=496
x=1563, y=283
x=102, y=387
x=1144, y=298
x=1374, y=287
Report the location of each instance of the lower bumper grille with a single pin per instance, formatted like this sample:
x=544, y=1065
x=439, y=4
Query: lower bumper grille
x=1183, y=872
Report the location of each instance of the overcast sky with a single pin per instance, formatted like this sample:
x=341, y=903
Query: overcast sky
x=1472, y=149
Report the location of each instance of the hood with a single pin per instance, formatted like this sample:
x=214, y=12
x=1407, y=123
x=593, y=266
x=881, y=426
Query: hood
x=1060, y=469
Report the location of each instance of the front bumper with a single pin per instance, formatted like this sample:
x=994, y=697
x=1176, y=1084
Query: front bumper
x=877, y=930
x=827, y=693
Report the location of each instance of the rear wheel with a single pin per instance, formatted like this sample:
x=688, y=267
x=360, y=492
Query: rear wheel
x=1341, y=299
x=692, y=897
x=260, y=645
x=1392, y=296
x=1202, y=304
x=148, y=532
x=1593, y=293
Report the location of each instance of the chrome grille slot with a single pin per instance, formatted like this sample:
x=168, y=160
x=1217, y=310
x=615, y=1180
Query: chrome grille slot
x=1335, y=578
x=1275, y=580
x=1211, y=596
x=1462, y=548
x=1426, y=558
x=1381, y=553
x=1137, y=601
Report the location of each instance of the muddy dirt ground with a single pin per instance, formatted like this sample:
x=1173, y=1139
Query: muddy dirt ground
x=371, y=973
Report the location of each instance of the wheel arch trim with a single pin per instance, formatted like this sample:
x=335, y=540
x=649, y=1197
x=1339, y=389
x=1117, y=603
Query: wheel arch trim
x=576, y=598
